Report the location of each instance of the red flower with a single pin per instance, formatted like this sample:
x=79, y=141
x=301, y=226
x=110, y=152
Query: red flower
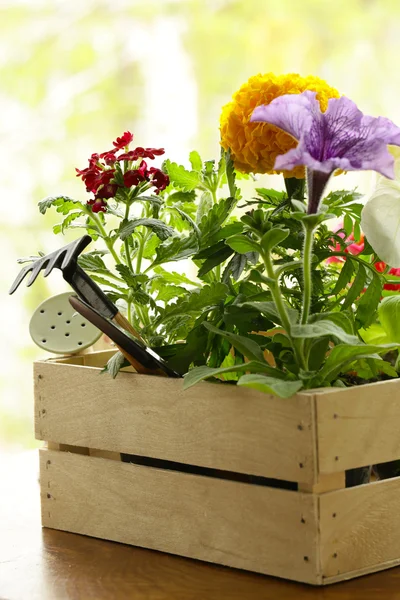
x=159, y=179
x=97, y=204
x=141, y=153
x=393, y=287
x=109, y=156
x=124, y=140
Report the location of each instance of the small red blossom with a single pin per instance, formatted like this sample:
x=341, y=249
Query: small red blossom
x=393, y=287
x=124, y=140
x=159, y=179
x=97, y=205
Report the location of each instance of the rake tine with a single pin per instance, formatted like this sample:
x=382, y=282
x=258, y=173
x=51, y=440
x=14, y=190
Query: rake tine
x=52, y=261
x=74, y=250
x=37, y=267
x=21, y=275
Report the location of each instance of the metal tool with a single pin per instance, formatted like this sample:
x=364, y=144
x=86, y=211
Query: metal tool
x=142, y=358
x=66, y=259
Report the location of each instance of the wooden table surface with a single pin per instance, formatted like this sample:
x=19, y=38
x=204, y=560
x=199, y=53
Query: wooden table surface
x=38, y=564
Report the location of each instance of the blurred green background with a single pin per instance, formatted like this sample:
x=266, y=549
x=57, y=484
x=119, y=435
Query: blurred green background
x=74, y=75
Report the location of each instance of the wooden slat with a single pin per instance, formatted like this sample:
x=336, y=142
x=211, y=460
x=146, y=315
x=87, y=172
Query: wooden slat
x=246, y=526
x=358, y=426
x=360, y=530
x=211, y=425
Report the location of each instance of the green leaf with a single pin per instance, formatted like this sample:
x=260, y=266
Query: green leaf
x=214, y=219
x=91, y=261
x=59, y=202
x=186, y=218
x=271, y=385
x=348, y=225
x=173, y=277
x=131, y=279
x=231, y=176
x=340, y=318
x=246, y=319
x=60, y=227
x=197, y=300
x=369, y=301
x=115, y=364
x=246, y=346
x=322, y=328
x=167, y=292
x=345, y=277
x=342, y=354
x=205, y=205
x=374, y=334
x=176, y=248
x=181, y=178
x=273, y=238
x=201, y=373
x=195, y=161
x=150, y=247
x=242, y=244
x=220, y=255
x=269, y=310
x=235, y=267
x=356, y=288
x=161, y=230
x=389, y=316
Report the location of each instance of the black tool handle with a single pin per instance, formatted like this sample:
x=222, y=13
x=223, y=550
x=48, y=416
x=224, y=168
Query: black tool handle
x=89, y=291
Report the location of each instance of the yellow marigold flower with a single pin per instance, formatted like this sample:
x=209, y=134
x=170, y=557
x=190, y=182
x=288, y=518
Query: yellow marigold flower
x=255, y=146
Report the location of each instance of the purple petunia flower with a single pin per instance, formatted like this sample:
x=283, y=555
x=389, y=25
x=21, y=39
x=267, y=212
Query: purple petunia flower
x=340, y=138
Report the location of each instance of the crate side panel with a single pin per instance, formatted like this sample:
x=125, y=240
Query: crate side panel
x=360, y=529
x=211, y=425
x=250, y=527
x=358, y=426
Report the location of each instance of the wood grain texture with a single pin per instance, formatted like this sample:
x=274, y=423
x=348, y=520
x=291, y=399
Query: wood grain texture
x=360, y=529
x=47, y=564
x=358, y=426
x=211, y=425
x=247, y=526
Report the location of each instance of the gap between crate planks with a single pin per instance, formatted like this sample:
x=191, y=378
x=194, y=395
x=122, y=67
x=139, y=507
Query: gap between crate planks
x=319, y=534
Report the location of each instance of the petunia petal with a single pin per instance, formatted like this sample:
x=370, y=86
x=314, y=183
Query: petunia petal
x=380, y=221
x=293, y=113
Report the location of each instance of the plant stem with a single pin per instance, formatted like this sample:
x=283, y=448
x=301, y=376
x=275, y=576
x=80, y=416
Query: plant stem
x=307, y=254
x=107, y=240
x=281, y=308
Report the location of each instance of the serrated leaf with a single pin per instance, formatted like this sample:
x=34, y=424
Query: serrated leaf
x=201, y=373
x=246, y=346
x=214, y=219
x=176, y=248
x=271, y=385
x=195, y=161
x=60, y=227
x=369, y=301
x=356, y=288
x=342, y=354
x=205, y=205
x=344, y=277
x=269, y=310
x=161, y=229
x=57, y=201
x=130, y=278
x=150, y=246
x=242, y=244
x=235, y=267
x=197, y=300
x=91, y=261
x=231, y=176
x=172, y=276
x=322, y=328
x=168, y=292
x=340, y=318
x=220, y=255
x=115, y=364
x=182, y=178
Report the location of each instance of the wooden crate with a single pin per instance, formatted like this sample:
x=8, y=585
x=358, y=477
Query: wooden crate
x=317, y=533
